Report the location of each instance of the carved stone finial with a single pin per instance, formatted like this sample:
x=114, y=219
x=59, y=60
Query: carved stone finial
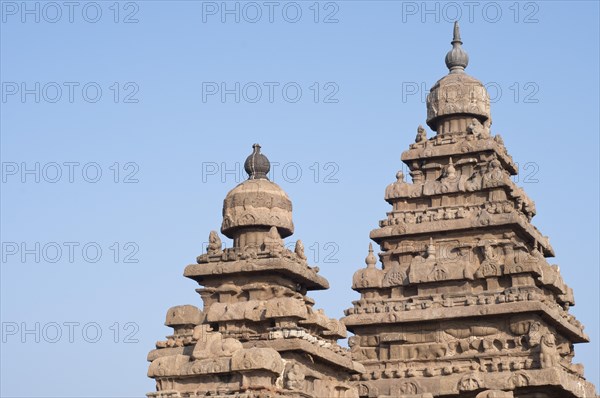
x=450, y=170
x=457, y=58
x=371, y=260
x=257, y=165
x=399, y=176
x=430, y=249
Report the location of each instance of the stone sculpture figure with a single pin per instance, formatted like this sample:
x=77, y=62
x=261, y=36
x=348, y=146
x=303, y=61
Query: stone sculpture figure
x=477, y=129
x=548, y=354
x=273, y=243
x=214, y=243
x=294, y=378
x=489, y=266
x=299, y=250
x=493, y=176
x=421, y=135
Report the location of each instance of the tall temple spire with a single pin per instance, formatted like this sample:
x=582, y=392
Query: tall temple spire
x=465, y=303
x=457, y=59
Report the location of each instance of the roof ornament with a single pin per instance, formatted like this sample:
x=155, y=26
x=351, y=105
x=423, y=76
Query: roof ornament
x=257, y=165
x=371, y=260
x=457, y=58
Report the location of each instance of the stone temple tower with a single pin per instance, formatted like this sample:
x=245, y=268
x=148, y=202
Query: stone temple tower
x=465, y=303
x=258, y=335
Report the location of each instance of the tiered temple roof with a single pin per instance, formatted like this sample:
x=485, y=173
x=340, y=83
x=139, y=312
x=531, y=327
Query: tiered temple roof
x=258, y=334
x=465, y=303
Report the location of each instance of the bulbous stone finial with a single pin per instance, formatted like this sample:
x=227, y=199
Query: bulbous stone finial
x=257, y=165
x=400, y=176
x=371, y=260
x=457, y=58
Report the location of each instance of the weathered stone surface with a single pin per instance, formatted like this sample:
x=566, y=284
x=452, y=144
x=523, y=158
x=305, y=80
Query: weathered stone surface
x=182, y=315
x=465, y=303
x=258, y=334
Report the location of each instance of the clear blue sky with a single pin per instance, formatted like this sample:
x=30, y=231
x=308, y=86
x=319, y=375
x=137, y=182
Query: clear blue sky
x=138, y=102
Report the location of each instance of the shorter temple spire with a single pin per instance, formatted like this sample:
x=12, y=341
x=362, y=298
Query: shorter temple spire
x=457, y=58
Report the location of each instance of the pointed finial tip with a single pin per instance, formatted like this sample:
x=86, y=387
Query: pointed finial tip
x=370, y=247
x=457, y=58
x=456, y=35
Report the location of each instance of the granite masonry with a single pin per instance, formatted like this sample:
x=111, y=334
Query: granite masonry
x=464, y=304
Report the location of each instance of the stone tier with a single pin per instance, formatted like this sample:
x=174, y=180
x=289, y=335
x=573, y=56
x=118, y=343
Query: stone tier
x=323, y=353
x=288, y=267
x=484, y=306
x=484, y=220
x=445, y=146
x=283, y=312
x=531, y=383
x=444, y=191
x=282, y=362
x=280, y=341
x=516, y=267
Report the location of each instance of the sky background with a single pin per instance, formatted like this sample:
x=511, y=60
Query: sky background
x=117, y=151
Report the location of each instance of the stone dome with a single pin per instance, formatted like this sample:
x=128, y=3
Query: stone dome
x=257, y=202
x=457, y=94
x=368, y=277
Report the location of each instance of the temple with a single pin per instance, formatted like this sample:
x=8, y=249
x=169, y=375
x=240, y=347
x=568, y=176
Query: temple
x=258, y=335
x=463, y=305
